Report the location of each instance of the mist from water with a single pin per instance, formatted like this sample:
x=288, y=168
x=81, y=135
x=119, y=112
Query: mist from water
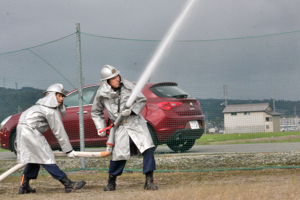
x=160, y=51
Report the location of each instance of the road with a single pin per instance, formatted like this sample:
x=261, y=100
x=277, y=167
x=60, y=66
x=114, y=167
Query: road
x=210, y=149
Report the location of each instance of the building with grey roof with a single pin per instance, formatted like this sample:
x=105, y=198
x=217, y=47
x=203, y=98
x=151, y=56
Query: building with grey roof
x=251, y=118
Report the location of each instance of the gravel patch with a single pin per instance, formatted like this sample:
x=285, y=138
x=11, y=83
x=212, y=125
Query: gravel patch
x=185, y=162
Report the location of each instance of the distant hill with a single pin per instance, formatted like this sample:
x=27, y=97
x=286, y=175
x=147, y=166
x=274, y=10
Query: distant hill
x=12, y=101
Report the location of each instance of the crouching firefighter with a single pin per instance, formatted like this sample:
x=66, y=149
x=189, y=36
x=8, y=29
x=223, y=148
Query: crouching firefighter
x=132, y=134
x=32, y=146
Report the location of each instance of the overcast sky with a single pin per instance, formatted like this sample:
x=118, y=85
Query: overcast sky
x=252, y=72
x=32, y=22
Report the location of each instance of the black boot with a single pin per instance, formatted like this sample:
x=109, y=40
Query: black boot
x=24, y=186
x=149, y=185
x=72, y=186
x=111, y=183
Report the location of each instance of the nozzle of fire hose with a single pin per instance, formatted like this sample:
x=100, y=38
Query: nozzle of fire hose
x=111, y=138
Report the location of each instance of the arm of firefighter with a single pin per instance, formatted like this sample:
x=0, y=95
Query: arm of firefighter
x=57, y=127
x=71, y=154
x=126, y=112
x=97, y=113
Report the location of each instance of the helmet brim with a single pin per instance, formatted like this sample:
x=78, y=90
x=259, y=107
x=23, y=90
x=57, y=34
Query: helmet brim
x=112, y=76
x=45, y=92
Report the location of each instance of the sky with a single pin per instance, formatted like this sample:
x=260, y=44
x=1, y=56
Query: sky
x=30, y=23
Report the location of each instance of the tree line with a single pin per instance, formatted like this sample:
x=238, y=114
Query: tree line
x=13, y=101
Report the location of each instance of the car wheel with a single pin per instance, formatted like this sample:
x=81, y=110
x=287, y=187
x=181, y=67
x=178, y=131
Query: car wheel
x=13, y=141
x=153, y=135
x=181, y=145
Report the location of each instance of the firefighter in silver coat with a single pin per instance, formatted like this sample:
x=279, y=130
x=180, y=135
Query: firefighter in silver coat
x=32, y=146
x=132, y=134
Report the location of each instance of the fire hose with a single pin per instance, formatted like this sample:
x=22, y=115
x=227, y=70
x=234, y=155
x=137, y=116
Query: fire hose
x=57, y=154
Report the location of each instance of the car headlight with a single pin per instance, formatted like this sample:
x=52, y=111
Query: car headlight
x=4, y=121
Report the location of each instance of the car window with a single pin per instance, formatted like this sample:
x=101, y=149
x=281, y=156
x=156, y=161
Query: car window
x=87, y=93
x=171, y=91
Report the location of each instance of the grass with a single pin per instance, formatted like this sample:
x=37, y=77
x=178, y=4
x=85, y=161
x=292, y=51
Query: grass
x=2, y=150
x=208, y=139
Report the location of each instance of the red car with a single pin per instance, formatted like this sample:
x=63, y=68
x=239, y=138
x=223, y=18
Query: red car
x=173, y=118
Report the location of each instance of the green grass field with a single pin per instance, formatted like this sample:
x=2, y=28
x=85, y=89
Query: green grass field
x=1, y=150
x=208, y=139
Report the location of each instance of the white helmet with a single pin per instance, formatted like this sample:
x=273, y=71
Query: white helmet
x=108, y=72
x=59, y=88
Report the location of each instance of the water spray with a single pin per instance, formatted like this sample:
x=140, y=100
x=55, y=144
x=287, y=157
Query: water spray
x=165, y=43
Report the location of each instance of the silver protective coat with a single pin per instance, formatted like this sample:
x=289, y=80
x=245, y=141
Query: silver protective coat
x=32, y=146
x=133, y=126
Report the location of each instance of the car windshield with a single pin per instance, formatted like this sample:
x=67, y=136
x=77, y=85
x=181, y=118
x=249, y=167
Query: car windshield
x=168, y=90
x=87, y=93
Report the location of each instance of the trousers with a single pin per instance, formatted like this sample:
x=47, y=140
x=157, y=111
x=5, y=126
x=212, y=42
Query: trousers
x=32, y=169
x=116, y=167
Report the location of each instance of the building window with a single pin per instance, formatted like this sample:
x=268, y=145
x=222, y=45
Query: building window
x=268, y=119
x=267, y=127
x=234, y=113
x=246, y=113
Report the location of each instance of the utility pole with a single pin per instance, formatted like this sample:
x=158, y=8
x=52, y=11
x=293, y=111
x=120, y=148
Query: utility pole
x=273, y=100
x=19, y=108
x=225, y=94
x=80, y=97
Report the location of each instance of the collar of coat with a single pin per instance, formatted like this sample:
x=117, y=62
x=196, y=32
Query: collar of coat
x=49, y=100
x=107, y=91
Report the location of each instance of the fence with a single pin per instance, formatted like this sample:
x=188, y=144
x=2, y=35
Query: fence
x=262, y=69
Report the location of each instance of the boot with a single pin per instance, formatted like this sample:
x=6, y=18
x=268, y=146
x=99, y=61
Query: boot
x=24, y=186
x=149, y=185
x=111, y=183
x=72, y=186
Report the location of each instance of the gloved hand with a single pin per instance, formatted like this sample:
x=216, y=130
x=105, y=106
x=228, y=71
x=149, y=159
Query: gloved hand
x=72, y=154
x=126, y=112
x=102, y=134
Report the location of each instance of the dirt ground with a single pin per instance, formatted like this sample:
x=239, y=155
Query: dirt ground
x=242, y=184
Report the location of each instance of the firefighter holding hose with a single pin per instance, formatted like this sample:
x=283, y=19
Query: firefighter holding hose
x=32, y=146
x=132, y=134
